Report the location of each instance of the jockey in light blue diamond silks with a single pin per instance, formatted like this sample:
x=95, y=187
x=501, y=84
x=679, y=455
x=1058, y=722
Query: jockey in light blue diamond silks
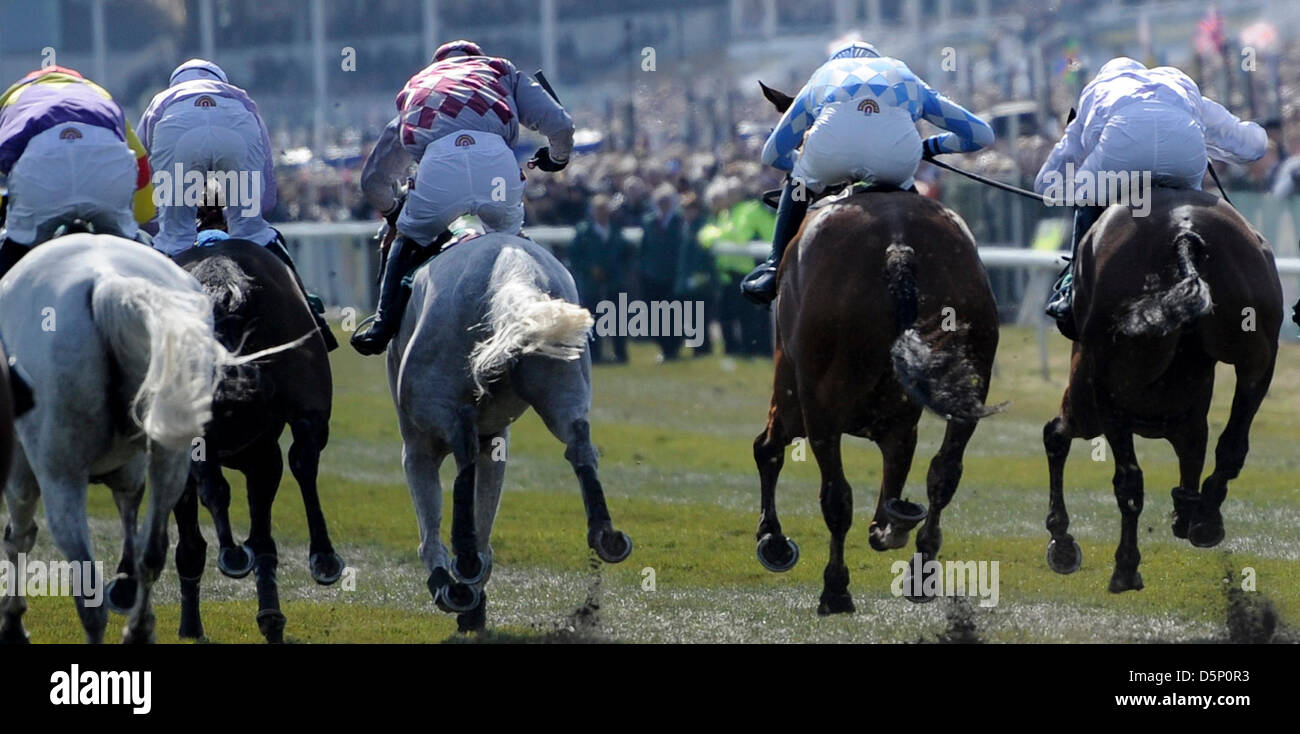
x=856, y=121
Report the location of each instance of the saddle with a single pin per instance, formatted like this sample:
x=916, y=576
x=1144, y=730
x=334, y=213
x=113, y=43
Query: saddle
x=832, y=194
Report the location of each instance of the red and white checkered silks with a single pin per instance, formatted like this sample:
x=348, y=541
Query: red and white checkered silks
x=433, y=102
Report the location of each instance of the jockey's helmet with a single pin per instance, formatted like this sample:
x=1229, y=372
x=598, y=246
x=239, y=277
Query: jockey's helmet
x=457, y=48
x=197, y=69
x=856, y=49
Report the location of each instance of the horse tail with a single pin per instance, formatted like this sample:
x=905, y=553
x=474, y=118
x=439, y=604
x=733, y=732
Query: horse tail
x=225, y=283
x=1160, y=313
x=162, y=339
x=522, y=319
x=936, y=372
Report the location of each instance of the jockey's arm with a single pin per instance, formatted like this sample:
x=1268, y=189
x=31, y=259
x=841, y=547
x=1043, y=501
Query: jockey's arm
x=966, y=132
x=1229, y=138
x=385, y=168
x=270, y=191
x=1069, y=149
x=539, y=111
x=142, y=206
x=778, y=151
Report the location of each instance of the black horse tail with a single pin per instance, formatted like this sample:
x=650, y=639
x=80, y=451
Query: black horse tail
x=935, y=371
x=1161, y=312
x=229, y=288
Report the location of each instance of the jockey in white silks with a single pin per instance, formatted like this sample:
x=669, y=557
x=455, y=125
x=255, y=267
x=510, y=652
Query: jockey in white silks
x=203, y=123
x=457, y=120
x=856, y=121
x=1131, y=120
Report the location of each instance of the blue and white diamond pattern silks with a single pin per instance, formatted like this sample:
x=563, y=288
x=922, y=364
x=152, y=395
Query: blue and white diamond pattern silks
x=890, y=82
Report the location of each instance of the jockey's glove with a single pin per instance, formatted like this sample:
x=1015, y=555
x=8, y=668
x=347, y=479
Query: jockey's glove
x=930, y=148
x=542, y=159
x=392, y=214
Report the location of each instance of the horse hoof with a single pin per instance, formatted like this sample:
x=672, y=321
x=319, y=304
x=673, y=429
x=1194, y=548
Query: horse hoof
x=271, y=623
x=1205, y=534
x=613, y=546
x=190, y=629
x=326, y=568
x=776, y=557
x=887, y=537
x=903, y=515
x=1185, y=504
x=475, y=620
x=1063, y=558
x=120, y=595
x=457, y=598
x=235, y=562
x=476, y=576
x=1121, y=581
x=835, y=603
x=14, y=634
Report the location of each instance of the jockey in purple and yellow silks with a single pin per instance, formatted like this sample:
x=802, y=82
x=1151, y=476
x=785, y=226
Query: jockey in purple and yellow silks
x=67, y=151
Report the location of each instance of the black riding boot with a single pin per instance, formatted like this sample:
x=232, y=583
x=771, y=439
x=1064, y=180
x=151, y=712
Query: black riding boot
x=10, y=253
x=1060, y=304
x=314, y=302
x=404, y=257
x=760, y=285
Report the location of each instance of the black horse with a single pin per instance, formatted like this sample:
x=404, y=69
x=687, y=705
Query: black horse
x=257, y=304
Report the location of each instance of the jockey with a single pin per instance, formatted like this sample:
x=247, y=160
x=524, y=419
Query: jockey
x=67, y=151
x=1131, y=118
x=201, y=122
x=856, y=120
x=457, y=119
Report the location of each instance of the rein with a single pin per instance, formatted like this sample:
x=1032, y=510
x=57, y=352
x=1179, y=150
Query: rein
x=990, y=182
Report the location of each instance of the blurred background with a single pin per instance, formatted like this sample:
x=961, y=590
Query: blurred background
x=670, y=122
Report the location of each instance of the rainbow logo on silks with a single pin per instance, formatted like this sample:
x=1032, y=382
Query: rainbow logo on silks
x=463, y=141
x=205, y=101
x=868, y=107
x=70, y=133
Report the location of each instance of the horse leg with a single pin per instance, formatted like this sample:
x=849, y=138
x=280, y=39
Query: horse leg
x=775, y=551
x=941, y=485
x=214, y=492
x=310, y=435
x=560, y=392
x=1128, y=495
x=22, y=494
x=1063, y=552
x=263, y=467
x=420, y=460
x=65, y=511
x=837, y=510
x=489, y=476
x=191, y=555
x=127, y=484
x=1189, y=443
x=888, y=529
x=167, y=471
x=1206, y=528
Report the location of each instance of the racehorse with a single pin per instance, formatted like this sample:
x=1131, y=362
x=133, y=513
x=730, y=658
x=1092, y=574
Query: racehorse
x=883, y=309
x=118, y=353
x=492, y=327
x=257, y=304
x=1159, y=300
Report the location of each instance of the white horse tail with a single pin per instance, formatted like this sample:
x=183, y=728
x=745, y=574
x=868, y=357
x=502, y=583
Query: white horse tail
x=521, y=319
x=163, y=340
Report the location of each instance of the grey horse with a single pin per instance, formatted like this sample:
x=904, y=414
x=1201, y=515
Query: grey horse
x=116, y=344
x=492, y=327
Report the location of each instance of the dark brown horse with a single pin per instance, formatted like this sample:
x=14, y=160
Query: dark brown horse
x=1159, y=300
x=257, y=304
x=883, y=310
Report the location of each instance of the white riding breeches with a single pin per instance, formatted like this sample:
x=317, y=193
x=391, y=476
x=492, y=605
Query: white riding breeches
x=467, y=172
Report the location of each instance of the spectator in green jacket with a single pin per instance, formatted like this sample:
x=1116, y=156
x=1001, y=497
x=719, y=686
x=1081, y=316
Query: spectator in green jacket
x=695, y=269
x=597, y=260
